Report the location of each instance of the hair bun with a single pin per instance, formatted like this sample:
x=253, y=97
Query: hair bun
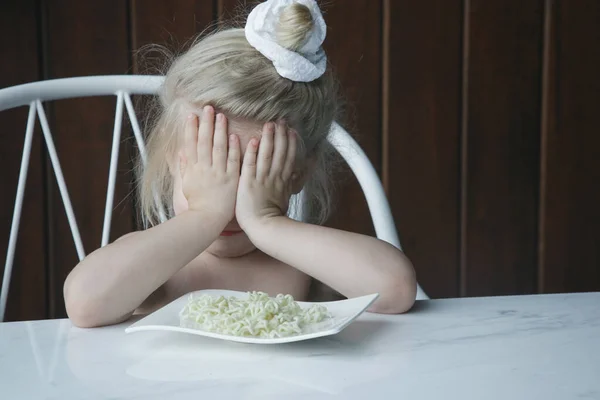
x=295, y=24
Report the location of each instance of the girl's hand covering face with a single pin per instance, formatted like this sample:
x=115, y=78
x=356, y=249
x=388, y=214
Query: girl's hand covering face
x=210, y=164
x=266, y=182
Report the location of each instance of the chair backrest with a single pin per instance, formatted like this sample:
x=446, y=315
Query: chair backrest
x=123, y=86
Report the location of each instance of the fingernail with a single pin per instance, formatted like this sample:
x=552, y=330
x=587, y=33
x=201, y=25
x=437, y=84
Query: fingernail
x=191, y=116
x=219, y=117
x=232, y=138
x=207, y=109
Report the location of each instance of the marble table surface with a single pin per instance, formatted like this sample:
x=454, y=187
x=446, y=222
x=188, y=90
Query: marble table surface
x=521, y=347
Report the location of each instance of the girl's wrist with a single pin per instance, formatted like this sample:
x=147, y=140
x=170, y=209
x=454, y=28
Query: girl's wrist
x=207, y=220
x=262, y=228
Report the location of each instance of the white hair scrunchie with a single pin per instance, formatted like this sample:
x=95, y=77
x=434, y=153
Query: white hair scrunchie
x=305, y=65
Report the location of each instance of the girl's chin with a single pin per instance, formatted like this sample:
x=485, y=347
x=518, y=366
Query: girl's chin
x=231, y=246
x=229, y=233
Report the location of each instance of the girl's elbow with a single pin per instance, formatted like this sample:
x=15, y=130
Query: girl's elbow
x=85, y=315
x=393, y=304
x=80, y=320
x=398, y=296
x=75, y=301
x=83, y=311
x=80, y=316
x=78, y=311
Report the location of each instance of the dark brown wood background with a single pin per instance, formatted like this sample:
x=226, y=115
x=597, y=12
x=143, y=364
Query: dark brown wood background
x=480, y=115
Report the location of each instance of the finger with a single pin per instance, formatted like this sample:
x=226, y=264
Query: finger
x=205, y=136
x=219, y=150
x=233, y=156
x=182, y=163
x=290, y=159
x=280, y=149
x=249, y=164
x=190, y=137
x=265, y=152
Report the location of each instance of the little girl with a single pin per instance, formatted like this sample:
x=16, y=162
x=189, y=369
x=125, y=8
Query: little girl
x=244, y=116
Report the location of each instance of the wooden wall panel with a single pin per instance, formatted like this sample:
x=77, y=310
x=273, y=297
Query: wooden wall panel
x=170, y=23
x=354, y=49
x=85, y=38
x=19, y=43
x=570, y=213
x=228, y=10
x=501, y=134
x=423, y=135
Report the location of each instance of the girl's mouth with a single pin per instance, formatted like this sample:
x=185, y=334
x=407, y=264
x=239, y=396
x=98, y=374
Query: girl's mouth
x=230, y=233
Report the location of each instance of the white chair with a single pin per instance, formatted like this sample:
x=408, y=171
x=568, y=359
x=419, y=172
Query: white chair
x=122, y=86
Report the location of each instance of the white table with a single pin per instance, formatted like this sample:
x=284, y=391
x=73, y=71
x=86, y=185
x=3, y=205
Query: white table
x=524, y=347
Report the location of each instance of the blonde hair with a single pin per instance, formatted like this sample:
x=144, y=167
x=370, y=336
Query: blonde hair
x=223, y=70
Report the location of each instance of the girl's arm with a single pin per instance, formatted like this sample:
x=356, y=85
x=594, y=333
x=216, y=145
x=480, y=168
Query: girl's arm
x=109, y=284
x=350, y=263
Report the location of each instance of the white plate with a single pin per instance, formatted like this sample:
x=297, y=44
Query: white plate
x=342, y=314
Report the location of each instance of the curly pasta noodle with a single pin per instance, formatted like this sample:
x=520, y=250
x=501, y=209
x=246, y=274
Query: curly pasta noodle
x=256, y=316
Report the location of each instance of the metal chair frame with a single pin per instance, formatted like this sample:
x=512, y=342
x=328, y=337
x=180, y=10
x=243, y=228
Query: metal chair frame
x=123, y=86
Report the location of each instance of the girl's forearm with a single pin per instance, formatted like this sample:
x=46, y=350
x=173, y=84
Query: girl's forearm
x=110, y=283
x=350, y=263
